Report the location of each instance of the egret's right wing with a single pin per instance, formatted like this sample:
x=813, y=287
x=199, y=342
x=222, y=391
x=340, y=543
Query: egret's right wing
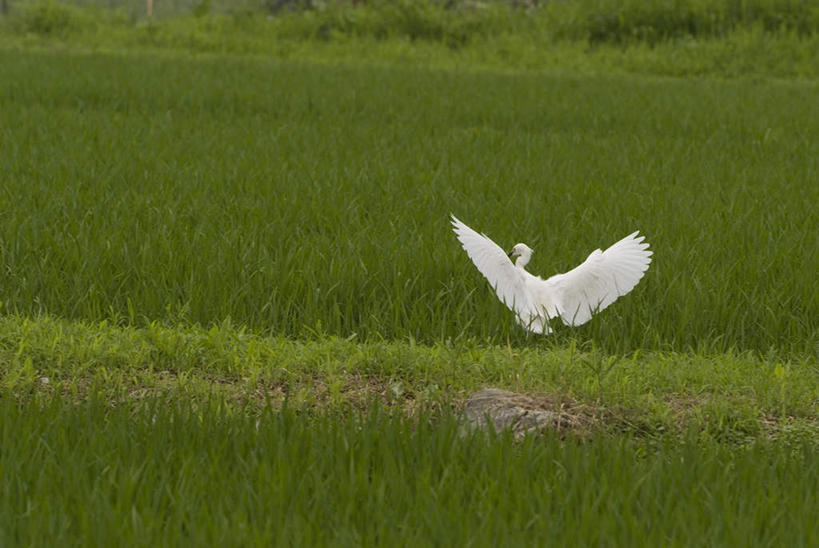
x=506, y=279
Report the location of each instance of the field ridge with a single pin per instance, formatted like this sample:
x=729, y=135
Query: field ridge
x=648, y=393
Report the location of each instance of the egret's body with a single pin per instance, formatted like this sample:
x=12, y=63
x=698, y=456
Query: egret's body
x=573, y=296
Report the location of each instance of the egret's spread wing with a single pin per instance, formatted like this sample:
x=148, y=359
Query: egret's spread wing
x=602, y=278
x=494, y=264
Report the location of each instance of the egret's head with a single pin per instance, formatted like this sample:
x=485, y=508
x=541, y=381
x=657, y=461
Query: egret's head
x=521, y=250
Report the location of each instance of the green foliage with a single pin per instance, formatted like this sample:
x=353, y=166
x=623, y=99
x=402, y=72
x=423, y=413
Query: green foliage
x=168, y=472
x=54, y=19
x=202, y=8
x=457, y=23
x=416, y=20
x=623, y=21
x=677, y=38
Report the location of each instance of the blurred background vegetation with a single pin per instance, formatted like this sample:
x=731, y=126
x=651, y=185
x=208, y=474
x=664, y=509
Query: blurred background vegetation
x=455, y=22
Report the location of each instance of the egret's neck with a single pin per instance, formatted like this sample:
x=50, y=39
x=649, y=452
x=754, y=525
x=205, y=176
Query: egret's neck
x=523, y=260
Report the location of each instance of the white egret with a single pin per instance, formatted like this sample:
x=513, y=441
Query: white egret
x=574, y=296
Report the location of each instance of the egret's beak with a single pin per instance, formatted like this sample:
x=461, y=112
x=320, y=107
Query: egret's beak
x=510, y=254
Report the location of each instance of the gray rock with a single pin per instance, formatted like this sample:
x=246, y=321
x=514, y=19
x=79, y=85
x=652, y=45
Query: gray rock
x=517, y=412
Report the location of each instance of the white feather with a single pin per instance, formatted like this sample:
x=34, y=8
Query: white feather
x=574, y=296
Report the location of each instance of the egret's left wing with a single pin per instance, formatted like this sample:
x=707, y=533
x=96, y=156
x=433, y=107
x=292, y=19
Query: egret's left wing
x=600, y=280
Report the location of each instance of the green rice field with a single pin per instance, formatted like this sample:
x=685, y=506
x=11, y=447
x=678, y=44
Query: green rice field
x=233, y=311
x=293, y=197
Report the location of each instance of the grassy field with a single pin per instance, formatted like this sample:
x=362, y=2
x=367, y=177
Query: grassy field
x=232, y=311
x=295, y=197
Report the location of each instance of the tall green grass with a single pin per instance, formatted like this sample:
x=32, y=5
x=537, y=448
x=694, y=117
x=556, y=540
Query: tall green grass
x=298, y=198
x=163, y=472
